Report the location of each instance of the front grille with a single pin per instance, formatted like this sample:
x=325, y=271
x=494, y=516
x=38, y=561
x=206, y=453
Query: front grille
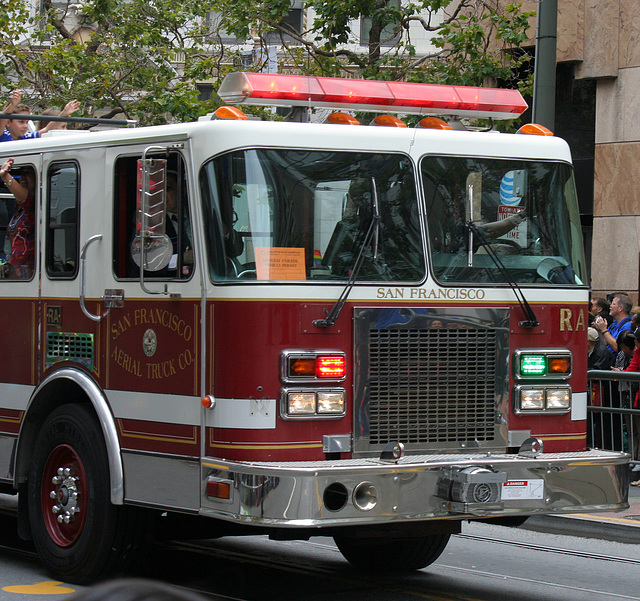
x=435, y=385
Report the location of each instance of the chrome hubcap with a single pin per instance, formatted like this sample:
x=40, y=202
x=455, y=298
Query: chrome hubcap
x=66, y=494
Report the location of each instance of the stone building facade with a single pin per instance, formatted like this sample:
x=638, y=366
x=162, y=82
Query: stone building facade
x=598, y=50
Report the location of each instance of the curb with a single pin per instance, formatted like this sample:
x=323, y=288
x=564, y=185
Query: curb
x=584, y=527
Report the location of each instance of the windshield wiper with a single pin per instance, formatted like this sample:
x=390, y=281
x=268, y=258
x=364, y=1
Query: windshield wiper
x=531, y=320
x=372, y=236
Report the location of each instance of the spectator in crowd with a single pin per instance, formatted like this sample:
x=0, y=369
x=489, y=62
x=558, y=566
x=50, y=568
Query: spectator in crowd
x=51, y=124
x=599, y=355
x=618, y=395
x=620, y=310
x=626, y=343
x=600, y=307
x=633, y=424
x=18, y=129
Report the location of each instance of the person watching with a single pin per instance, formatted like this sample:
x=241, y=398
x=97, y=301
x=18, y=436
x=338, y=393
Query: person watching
x=620, y=310
x=600, y=307
x=18, y=129
x=21, y=227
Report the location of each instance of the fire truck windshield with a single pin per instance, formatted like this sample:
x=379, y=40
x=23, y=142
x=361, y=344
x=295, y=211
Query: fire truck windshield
x=525, y=211
x=290, y=214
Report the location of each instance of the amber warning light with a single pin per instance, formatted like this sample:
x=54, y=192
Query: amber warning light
x=272, y=89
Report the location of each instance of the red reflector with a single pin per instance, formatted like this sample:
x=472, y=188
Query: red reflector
x=220, y=490
x=331, y=367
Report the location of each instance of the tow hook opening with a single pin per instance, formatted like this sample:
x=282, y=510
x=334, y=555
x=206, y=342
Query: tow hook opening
x=335, y=496
x=471, y=488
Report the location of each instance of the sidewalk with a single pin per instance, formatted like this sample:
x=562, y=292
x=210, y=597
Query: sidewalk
x=622, y=527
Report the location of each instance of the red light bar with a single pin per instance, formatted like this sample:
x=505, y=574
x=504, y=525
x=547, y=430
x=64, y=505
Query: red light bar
x=370, y=95
x=351, y=91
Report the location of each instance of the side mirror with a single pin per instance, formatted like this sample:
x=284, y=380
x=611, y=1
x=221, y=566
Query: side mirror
x=151, y=248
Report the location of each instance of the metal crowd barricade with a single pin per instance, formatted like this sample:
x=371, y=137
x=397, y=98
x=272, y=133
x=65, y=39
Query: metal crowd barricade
x=613, y=411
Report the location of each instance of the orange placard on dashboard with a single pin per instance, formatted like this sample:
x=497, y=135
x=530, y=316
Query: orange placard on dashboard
x=279, y=263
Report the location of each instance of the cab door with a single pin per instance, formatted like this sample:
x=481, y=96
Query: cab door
x=151, y=337
x=19, y=288
x=72, y=192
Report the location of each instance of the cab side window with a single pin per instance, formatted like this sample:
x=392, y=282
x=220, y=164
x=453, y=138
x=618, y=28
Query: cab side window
x=63, y=193
x=176, y=226
x=18, y=252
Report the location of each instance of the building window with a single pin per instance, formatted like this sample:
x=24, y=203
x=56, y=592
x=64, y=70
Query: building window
x=293, y=21
x=216, y=33
x=389, y=36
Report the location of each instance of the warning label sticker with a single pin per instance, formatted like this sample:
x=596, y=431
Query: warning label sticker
x=523, y=489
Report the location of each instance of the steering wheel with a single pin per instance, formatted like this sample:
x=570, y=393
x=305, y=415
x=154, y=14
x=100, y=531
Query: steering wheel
x=504, y=242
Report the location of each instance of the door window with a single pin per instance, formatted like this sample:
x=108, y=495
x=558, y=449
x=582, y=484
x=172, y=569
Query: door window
x=18, y=227
x=63, y=193
x=176, y=227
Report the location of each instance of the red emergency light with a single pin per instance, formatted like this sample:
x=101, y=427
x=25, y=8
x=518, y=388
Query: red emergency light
x=270, y=89
x=334, y=367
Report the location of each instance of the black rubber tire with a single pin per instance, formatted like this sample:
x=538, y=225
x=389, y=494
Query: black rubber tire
x=392, y=555
x=100, y=537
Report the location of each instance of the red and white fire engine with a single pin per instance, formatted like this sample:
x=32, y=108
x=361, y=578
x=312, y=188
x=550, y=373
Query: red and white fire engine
x=301, y=329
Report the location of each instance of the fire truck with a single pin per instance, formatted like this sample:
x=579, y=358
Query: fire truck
x=368, y=332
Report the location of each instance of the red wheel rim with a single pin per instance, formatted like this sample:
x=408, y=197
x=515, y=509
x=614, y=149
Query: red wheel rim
x=63, y=495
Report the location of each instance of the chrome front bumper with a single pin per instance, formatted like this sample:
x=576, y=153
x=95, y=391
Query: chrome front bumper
x=414, y=488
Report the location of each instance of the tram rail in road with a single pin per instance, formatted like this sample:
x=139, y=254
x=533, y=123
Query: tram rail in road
x=199, y=566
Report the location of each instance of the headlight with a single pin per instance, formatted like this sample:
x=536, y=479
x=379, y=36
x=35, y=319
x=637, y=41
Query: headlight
x=532, y=399
x=301, y=403
x=307, y=403
x=331, y=402
x=559, y=398
x=542, y=399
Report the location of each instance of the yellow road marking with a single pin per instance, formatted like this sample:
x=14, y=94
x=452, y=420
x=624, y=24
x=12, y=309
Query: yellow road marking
x=48, y=587
x=605, y=518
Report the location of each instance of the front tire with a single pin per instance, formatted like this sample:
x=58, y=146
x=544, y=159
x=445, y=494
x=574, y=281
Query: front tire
x=79, y=535
x=392, y=554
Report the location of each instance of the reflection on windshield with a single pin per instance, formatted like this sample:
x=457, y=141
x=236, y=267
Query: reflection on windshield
x=283, y=214
x=526, y=212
